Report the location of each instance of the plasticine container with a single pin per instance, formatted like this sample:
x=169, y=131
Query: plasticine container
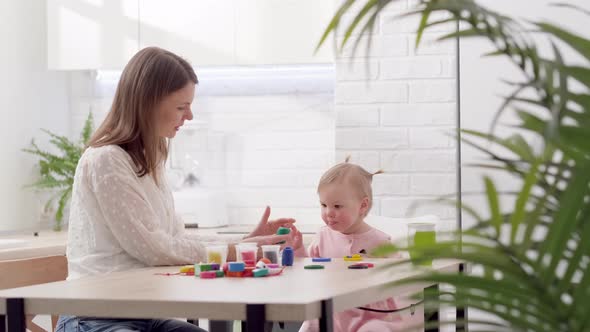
x=246, y=251
x=216, y=253
x=271, y=252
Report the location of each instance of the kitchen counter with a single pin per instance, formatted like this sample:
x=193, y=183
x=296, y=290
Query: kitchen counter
x=22, y=246
x=50, y=243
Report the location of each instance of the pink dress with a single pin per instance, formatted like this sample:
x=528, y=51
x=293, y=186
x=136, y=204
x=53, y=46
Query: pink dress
x=333, y=244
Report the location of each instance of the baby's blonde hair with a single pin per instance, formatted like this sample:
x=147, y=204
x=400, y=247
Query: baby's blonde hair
x=351, y=174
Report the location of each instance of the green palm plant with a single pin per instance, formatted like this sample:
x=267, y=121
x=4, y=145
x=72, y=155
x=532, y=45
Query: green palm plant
x=56, y=172
x=534, y=258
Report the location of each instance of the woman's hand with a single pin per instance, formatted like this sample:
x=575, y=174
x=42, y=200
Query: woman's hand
x=269, y=227
x=294, y=239
x=286, y=239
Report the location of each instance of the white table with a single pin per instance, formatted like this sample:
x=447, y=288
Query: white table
x=296, y=295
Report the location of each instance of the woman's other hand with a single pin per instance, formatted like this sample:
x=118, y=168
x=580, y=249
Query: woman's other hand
x=269, y=227
x=284, y=240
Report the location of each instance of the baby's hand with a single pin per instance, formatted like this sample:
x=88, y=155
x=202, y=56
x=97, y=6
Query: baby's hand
x=297, y=237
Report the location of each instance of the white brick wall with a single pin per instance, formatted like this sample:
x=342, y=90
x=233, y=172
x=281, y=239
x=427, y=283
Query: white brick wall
x=396, y=111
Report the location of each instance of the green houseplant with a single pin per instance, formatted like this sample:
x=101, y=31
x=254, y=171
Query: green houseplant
x=56, y=171
x=535, y=258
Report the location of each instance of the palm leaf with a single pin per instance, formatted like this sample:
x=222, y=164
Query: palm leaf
x=578, y=43
x=547, y=228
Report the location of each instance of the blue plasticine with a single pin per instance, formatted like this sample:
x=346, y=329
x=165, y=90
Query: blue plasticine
x=321, y=259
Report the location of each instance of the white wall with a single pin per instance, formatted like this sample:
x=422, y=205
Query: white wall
x=481, y=88
x=396, y=110
x=30, y=98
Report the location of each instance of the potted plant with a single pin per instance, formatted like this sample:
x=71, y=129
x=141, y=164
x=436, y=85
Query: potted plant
x=534, y=259
x=56, y=171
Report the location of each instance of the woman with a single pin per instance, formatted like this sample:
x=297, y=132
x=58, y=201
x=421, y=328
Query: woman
x=122, y=212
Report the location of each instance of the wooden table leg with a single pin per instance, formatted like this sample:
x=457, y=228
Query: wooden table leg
x=255, y=317
x=327, y=318
x=15, y=314
x=431, y=309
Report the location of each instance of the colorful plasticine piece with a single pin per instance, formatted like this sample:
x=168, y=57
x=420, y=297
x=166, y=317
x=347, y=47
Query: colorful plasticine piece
x=208, y=274
x=362, y=265
x=236, y=267
x=288, y=256
x=261, y=265
x=353, y=258
x=313, y=267
x=205, y=267
x=187, y=269
x=232, y=274
x=259, y=273
x=357, y=267
x=248, y=271
x=321, y=259
x=283, y=231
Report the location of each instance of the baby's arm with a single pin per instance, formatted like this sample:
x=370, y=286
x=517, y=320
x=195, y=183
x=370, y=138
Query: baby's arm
x=313, y=249
x=299, y=247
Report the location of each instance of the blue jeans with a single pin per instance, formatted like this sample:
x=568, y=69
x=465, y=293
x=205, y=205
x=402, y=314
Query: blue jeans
x=90, y=324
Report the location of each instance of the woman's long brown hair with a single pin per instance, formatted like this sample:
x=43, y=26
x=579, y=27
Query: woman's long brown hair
x=151, y=75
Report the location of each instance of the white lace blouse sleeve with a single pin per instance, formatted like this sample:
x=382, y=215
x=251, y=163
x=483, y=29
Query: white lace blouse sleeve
x=132, y=219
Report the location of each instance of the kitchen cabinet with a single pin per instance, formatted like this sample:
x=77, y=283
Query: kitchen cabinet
x=282, y=32
x=201, y=31
x=105, y=34
x=91, y=34
x=238, y=32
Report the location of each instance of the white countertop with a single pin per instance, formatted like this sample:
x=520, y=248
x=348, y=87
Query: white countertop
x=50, y=243
x=21, y=246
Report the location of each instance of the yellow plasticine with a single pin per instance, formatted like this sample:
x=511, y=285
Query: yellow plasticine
x=187, y=269
x=353, y=258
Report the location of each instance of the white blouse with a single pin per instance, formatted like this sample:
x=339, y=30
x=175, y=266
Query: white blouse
x=119, y=221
